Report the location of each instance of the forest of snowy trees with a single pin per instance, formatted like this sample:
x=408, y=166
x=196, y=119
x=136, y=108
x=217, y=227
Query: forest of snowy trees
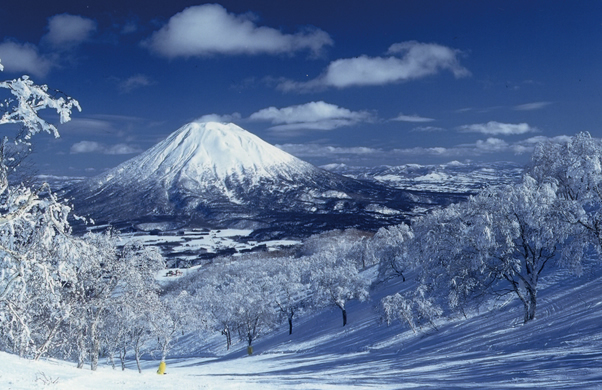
x=83, y=297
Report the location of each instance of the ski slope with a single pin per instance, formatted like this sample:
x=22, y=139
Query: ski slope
x=492, y=349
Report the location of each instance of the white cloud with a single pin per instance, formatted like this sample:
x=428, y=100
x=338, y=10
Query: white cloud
x=411, y=118
x=315, y=150
x=532, y=106
x=491, y=145
x=497, y=128
x=310, y=116
x=66, y=31
x=86, y=147
x=131, y=26
x=209, y=29
x=24, y=58
x=427, y=129
x=122, y=149
x=135, y=82
x=228, y=118
x=406, y=61
x=96, y=147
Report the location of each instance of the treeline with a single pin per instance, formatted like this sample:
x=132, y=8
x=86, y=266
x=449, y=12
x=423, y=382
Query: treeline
x=501, y=241
x=248, y=296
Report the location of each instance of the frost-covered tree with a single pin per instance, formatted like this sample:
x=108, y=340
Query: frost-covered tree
x=336, y=280
x=413, y=308
x=33, y=223
x=291, y=285
x=126, y=322
x=168, y=319
x=108, y=275
x=575, y=167
x=391, y=247
x=504, y=236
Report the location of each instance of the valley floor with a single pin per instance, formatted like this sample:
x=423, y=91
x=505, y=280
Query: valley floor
x=561, y=349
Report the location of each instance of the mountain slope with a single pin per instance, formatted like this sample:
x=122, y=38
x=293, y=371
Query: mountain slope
x=214, y=174
x=560, y=349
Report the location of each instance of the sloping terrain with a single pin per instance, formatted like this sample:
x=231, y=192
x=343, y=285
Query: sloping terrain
x=492, y=349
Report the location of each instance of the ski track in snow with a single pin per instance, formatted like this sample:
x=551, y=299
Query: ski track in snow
x=561, y=349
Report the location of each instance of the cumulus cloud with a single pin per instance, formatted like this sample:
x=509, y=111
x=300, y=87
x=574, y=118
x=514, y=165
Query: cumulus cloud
x=491, y=145
x=24, y=58
x=310, y=116
x=497, y=128
x=411, y=118
x=532, y=106
x=228, y=118
x=96, y=147
x=134, y=82
x=66, y=31
x=210, y=29
x=405, y=61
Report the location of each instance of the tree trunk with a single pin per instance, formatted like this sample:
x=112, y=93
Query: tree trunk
x=95, y=347
x=137, y=354
x=530, y=305
x=122, y=354
x=111, y=358
x=81, y=350
x=48, y=340
x=344, y=317
x=290, y=325
x=94, y=353
x=226, y=332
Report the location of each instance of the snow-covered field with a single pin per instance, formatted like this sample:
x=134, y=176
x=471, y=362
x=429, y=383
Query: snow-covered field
x=561, y=349
x=188, y=244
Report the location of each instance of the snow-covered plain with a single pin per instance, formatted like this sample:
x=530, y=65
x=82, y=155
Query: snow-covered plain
x=188, y=244
x=490, y=349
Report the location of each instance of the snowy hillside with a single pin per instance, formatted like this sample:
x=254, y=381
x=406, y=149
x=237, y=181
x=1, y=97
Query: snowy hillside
x=490, y=349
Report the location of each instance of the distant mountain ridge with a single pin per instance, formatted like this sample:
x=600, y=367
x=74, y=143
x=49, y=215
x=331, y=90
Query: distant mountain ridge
x=452, y=177
x=220, y=175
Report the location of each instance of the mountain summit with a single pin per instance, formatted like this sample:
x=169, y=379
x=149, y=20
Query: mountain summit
x=220, y=175
x=210, y=154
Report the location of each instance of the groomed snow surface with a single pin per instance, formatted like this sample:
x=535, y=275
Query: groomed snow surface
x=561, y=349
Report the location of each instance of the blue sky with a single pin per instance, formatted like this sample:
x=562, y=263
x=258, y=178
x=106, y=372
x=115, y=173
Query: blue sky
x=356, y=82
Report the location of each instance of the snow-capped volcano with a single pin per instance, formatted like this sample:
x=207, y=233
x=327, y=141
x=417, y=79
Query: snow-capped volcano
x=210, y=154
x=216, y=174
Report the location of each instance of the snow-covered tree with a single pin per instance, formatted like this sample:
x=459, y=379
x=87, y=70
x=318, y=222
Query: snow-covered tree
x=391, y=247
x=168, y=319
x=126, y=323
x=413, y=308
x=576, y=168
x=503, y=236
x=291, y=286
x=33, y=223
x=108, y=275
x=336, y=280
